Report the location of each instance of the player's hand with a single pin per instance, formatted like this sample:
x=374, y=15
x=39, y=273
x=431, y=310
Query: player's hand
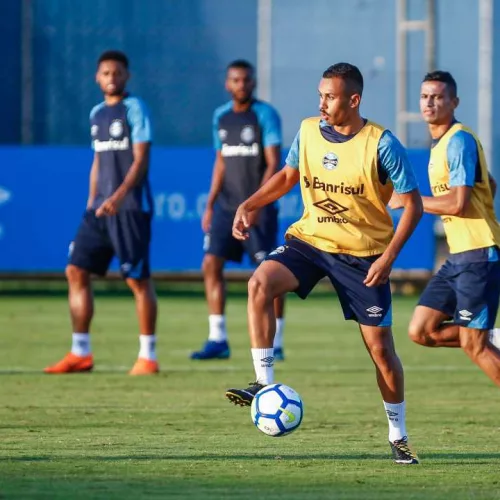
x=110, y=206
x=379, y=272
x=395, y=201
x=241, y=223
x=206, y=220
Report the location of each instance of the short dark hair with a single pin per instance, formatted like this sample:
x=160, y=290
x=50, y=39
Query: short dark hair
x=445, y=77
x=347, y=72
x=113, y=55
x=241, y=64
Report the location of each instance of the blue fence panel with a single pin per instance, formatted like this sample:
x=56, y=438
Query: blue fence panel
x=43, y=192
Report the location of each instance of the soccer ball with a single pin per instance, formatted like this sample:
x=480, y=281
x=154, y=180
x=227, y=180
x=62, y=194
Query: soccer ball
x=277, y=410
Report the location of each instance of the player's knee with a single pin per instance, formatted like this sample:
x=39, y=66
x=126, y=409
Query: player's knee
x=381, y=353
x=259, y=289
x=211, y=266
x=76, y=275
x=416, y=332
x=140, y=286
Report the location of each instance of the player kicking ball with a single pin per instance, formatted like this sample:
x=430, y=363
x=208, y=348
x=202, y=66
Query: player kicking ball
x=347, y=167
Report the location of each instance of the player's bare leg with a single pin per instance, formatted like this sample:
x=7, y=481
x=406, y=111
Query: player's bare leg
x=279, y=313
x=216, y=346
x=147, y=310
x=476, y=345
x=427, y=328
x=390, y=379
x=270, y=280
x=81, y=306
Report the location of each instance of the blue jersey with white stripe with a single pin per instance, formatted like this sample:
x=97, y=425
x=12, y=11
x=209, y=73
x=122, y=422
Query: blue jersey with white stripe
x=114, y=130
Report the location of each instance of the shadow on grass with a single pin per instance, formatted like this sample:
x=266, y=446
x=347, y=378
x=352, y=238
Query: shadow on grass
x=254, y=457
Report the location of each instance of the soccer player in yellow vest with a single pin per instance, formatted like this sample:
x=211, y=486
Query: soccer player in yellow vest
x=347, y=167
x=466, y=289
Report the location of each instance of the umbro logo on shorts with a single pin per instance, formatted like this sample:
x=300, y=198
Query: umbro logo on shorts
x=465, y=315
x=374, y=312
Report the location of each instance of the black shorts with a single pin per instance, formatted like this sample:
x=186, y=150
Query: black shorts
x=467, y=288
x=126, y=235
x=262, y=240
x=370, y=306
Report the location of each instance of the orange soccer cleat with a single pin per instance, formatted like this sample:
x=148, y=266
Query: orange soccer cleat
x=71, y=363
x=144, y=366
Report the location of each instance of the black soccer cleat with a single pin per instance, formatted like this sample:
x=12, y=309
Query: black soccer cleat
x=244, y=397
x=402, y=453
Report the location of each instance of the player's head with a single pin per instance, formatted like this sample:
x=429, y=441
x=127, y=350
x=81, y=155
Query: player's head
x=112, y=72
x=240, y=80
x=340, y=92
x=438, y=98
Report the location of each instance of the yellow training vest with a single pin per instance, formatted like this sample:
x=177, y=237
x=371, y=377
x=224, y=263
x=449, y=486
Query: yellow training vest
x=344, y=201
x=479, y=227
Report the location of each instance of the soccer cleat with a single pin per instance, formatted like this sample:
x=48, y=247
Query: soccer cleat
x=144, y=366
x=402, y=453
x=213, y=350
x=244, y=397
x=279, y=354
x=71, y=363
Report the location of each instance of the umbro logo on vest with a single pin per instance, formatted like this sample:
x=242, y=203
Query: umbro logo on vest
x=330, y=207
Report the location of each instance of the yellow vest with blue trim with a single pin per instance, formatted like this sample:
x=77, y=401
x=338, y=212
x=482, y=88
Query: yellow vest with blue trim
x=478, y=228
x=344, y=200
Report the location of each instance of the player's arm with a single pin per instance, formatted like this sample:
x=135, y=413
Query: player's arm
x=94, y=173
x=141, y=136
x=137, y=171
x=217, y=179
x=271, y=141
x=277, y=186
x=395, y=163
x=217, y=175
x=463, y=158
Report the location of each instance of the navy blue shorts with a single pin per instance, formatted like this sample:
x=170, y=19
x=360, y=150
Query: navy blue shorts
x=467, y=288
x=262, y=240
x=126, y=235
x=370, y=306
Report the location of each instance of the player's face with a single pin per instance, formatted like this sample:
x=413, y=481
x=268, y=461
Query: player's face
x=336, y=104
x=240, y=83
x=436, y=104
x=112, y=77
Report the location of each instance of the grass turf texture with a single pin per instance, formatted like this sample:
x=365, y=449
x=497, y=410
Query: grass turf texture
x=106, y=435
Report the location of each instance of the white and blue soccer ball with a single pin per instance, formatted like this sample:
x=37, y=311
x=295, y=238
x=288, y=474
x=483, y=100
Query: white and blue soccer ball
x=277, y=410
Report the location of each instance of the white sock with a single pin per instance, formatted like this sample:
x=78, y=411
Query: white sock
x=81, y=344
x=148, y=347
x=278, y=337
x=263, y=363
x=396, y=416
x=217, y=328
x=494, y=337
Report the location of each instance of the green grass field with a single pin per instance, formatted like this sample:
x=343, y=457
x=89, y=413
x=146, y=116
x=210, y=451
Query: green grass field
x=106, y=435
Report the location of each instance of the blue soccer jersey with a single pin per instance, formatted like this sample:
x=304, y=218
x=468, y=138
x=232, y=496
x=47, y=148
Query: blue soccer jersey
x=114, y=130
x=241, y=138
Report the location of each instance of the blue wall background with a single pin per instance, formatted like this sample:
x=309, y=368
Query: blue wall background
x=179, y=51
x=43, y=199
